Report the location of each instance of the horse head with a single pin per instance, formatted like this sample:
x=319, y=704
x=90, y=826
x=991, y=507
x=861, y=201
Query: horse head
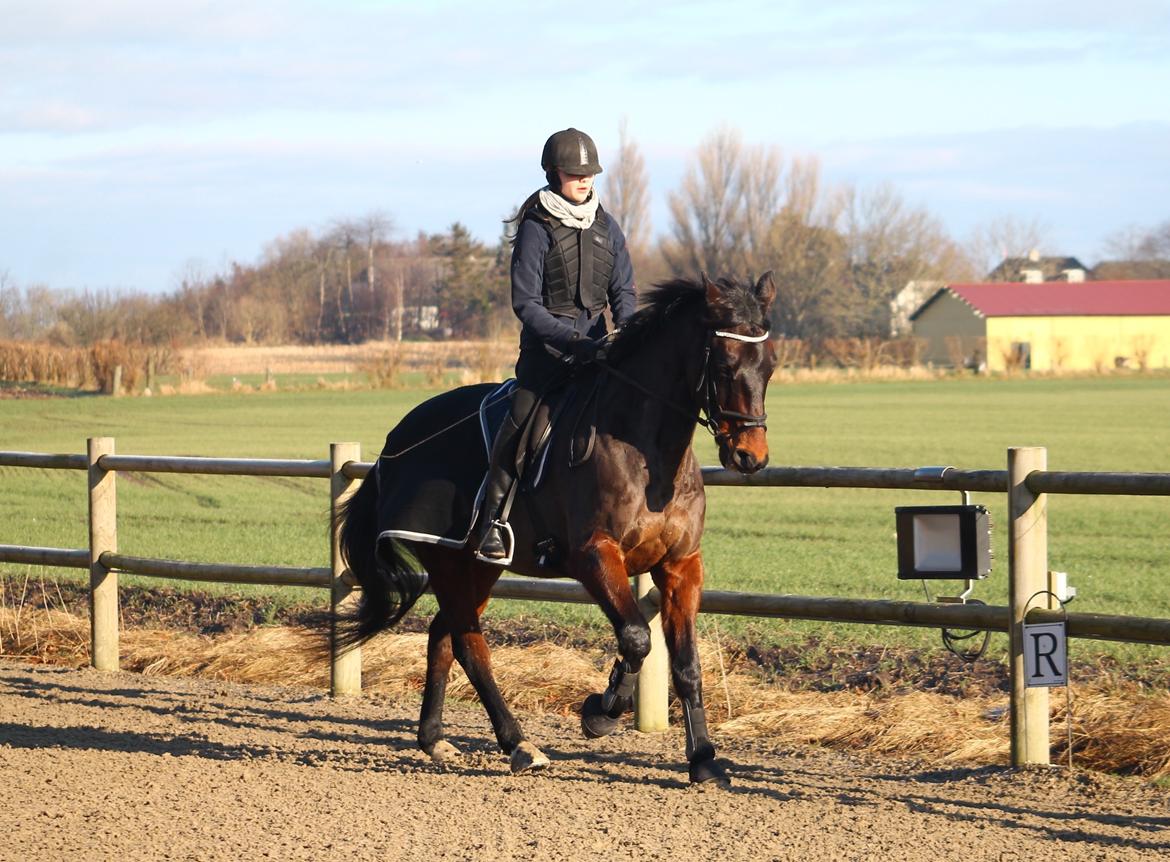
x=739, y=363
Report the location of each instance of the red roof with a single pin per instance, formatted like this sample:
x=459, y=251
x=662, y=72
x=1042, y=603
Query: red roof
x=1062, y=298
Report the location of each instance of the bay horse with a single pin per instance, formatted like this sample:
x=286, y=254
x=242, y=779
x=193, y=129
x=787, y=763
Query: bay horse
x=696, y=352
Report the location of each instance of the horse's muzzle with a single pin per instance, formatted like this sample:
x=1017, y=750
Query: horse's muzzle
x=747, y=461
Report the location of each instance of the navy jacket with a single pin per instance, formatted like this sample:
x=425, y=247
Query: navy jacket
x=542, y=330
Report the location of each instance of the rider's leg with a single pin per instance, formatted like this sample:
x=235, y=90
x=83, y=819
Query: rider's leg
x=491, y=539
x=536, y=370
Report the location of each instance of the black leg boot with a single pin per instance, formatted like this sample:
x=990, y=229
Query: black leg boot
x=493, y=538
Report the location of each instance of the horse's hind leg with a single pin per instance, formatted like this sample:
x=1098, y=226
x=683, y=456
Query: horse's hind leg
x=601, y=568
x=680, y=584
x=430, y=723
x=463, y=592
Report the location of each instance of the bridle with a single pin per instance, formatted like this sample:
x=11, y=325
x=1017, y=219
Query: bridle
x=715, y=413
x=710, y=412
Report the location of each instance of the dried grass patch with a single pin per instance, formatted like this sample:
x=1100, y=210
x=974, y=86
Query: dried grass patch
x=1116, y=728
x=482, y=359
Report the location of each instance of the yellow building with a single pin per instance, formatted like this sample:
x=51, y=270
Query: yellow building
x=1051, y=326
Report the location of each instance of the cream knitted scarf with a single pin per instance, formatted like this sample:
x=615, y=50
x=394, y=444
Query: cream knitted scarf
x=579, y=216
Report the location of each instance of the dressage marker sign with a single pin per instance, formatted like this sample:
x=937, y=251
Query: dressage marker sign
x=1045, y=655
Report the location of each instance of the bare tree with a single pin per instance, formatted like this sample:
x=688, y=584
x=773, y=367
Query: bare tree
x=1138, y=253
x=375, y=227
x=626, y=194
x=759, y=186
x=890, y=244
x=191, y=295
x=706, y=211
x=808, y=269
x=9, y=304
x=322, y=260
x=741, y=211
x=1155, y=243
x=1004, y=237
x=344, y=236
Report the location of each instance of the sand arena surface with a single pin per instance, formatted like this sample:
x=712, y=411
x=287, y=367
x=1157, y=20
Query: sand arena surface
x=128, y=767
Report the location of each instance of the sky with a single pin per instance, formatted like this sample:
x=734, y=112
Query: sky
x=141, y=142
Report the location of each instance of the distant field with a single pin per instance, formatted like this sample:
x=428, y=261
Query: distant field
x=414, y=364
x=801, y=541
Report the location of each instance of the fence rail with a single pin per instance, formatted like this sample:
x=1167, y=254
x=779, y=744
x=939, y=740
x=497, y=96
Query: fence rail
x=227, y=573
x=1026, y=483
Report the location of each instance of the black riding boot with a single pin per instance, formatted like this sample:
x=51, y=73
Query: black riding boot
x=493, y=537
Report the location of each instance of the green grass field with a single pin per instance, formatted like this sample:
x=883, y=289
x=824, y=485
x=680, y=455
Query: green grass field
x=829, y=542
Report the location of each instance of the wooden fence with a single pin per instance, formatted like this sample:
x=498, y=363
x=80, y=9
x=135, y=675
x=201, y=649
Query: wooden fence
x=1027, y=483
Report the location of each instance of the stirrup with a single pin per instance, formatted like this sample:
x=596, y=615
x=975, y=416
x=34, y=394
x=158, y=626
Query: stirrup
x=510, y=546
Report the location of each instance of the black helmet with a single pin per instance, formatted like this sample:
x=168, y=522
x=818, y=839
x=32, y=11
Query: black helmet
x=572, y=151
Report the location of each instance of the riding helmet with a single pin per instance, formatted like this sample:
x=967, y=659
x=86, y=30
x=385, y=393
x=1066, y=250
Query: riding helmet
x=572, y=151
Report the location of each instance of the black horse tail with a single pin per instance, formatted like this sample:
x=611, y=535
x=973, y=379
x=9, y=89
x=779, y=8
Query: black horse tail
x=389, y=575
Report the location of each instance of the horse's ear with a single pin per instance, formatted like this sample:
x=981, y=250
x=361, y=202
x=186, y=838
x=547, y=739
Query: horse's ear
x=766, y=291
x=713, y=292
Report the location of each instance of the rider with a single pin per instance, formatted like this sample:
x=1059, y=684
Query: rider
x=569, y=261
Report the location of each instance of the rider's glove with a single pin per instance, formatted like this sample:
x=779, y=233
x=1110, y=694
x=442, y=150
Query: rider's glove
x=585, y=350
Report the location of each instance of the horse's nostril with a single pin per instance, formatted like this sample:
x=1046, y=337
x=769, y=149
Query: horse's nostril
x=745, y=460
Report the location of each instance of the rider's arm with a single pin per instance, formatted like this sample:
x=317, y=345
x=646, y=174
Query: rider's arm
x=623, y=300
x=528, y=253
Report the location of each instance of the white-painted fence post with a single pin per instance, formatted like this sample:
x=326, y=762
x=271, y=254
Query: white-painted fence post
x=345, y=669
x=1027, y=575
x=103, y=537
x=651, y=697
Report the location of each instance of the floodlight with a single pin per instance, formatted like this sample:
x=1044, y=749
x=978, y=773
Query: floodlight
x=943, y=542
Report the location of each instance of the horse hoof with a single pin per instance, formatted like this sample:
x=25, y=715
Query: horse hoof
x=527, y=757
x=445, y=754
x=594, y=722
x=708, y=771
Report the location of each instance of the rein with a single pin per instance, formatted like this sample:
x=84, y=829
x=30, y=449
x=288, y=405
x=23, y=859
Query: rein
x=714, y=412
x=711, y=406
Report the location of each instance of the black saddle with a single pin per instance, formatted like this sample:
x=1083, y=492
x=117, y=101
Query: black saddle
x=570, y=408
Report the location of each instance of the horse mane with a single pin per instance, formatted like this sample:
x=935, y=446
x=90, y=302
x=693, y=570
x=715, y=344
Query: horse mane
x=683, y=297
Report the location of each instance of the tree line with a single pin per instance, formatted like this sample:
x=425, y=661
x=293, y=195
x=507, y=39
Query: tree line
x=839, y=255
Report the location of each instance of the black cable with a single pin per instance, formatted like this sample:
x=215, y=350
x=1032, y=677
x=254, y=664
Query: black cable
x=951, y=639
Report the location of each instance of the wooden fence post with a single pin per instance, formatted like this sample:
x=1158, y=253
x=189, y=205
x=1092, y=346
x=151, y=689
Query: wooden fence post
x=1027, y=575
x=651, y=697
x=103, y=536
x=345, y=667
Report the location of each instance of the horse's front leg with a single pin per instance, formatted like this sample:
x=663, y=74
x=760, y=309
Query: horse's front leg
x=680, y=583
x=601, y=567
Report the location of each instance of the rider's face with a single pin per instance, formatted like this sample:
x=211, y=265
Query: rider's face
x=575, y=188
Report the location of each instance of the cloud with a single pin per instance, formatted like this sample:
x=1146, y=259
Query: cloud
x=130, y=64
x=241, y=121
x=53, y=117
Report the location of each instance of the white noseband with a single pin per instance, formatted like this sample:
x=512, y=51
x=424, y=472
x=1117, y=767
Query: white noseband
x=751, y=339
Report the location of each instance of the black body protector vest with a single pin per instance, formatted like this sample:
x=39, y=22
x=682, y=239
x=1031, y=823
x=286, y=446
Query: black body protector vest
x=577, y=266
